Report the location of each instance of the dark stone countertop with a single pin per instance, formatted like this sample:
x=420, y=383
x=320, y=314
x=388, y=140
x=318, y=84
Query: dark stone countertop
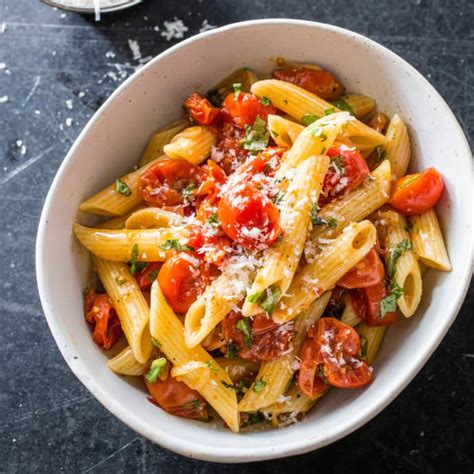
x=49, y=422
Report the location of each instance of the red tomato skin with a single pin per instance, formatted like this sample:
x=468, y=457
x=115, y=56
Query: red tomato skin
x=244, y=108
x=177, y=398
x=309, y=382
x=355, y=173
x=200, y=110
x=101, y=314
x=161, y=184
x=417, y=193
x=143, y=278
x=245, y=208
x=367, y=303
x=322, y=83
x=369, y=271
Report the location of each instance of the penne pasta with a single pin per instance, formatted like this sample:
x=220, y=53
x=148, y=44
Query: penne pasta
x=333, y=262
x=192, y=144
x=371, y=338
x=129, y=303
x=118, y=222
x=152, y=217
x=118, y=245
x=277, y=374
x=125, y=363
x=168, y=332
x=361, y=105
x=161, y=138
x=398, y=146
x=110, y=202
x=283, y=131
x=298, y=102
x=350, y=316
x=280, y=261
x=428, y=242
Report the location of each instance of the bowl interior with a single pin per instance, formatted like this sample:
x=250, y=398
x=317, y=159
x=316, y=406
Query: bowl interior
x=115, y=138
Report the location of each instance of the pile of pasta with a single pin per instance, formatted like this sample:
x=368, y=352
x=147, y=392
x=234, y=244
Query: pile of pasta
x=258, y=253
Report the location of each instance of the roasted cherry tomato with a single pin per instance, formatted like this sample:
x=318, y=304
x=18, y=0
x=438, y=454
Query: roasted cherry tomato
x=177, y=398
x=213, y=177
x=148, y=275
x=228, y=151
x=182, y=279
x=244, y=108
x=417, y=193
x=101, y=314
x=367, y=304
x=367, y=272
x=249, y=217
x=346, y=171
x=331, y=353
x=209, y=241
x=265, y=341
x=163, y=183
x=200, y=110
x=265, y=162
x=319, y=82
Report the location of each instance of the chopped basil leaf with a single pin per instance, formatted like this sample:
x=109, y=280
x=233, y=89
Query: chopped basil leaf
x=268, y=299
x=133, y=261
x=188, y=190
x=259, y=385
x=253, y=418
x=174, y=244
x=395, y=253
x=278, y=197
x=228, y=385
x=140, y=266
x=265, y=101
x=237, y=89
x=86, y=290
x=308, y=119
x=278, y=241
x=409, y=225
x=256, y=137
x=389, y=303
x=338, y=164
x=155, y=342
x=155, y=369
x=316, y=220
x=244, y=326
x=122, y=187
x=321, y=374
x=341, y=104
x=380, y=153
x=211, y=366
x=232, y=351
x=330, y=111
x=213, y=219
x=153, y=274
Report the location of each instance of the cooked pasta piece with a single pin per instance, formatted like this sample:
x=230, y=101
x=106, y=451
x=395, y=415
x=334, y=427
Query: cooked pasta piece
x=111, y=202
x=336, y=259
x=371, y=338
x=212, y=382
x=219, y=299
x=401, y=261
x=161, y=138
x=117, y=222
x=124, y=363
x=129, y=303
x=283, y=131
x=361, y=105
x=350, y=316
x=298, y=102
x=118, y=245
x=243, y=76
x=280, y=261
x=353, y=207
x=152, y=217
x=192, y=144
x=398, y=146
x=277, y=374
x=428, y=242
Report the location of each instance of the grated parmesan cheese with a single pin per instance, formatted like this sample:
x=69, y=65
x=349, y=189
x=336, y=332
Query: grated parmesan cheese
x=174, y=29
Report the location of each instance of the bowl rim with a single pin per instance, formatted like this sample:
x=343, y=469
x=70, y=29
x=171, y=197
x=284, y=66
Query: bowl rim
x=235, y=454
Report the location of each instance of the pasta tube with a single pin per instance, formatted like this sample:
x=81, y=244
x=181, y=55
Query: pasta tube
x=168, y=332
x=350, y=316
x=283, y=131
x=371, y=338
x=124, y=363
x=398, y=146
x=128, y=301
x=152, y=217
x=361, y=105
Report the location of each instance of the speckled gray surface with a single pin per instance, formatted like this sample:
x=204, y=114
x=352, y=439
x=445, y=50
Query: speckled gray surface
x=49, y=422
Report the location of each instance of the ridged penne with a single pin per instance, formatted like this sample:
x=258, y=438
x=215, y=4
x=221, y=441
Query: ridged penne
x=125, y=363
x=219, y=299
x=298, y=102
x=292, y=402
x=152, y=217
x=361, y=105
x=109, y=202
x=117, y=245
x=212, y=382
x=398, y=146
x=355, y=206
x=193, y=144
x=371, y=338
x=161, y=138
x=280, y=261
x=283, y=131
x=428, y=242
x=350, y=316
x=321, y=275
x=129, y=303
x=406, y=271
x=278, y=373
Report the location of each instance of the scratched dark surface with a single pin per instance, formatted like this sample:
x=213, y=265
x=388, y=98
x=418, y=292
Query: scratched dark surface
x=49, y=422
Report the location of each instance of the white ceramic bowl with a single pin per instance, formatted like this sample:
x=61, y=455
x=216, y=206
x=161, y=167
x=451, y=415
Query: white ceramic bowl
x=113, y=141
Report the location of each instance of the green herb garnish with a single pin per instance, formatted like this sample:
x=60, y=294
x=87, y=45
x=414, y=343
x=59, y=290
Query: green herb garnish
x=122, y=187
x=380, y=153
x=213, y=219
x=188, y=190
x=155, y=369
x=259, y=385
x=389, y=303
x=265, y=101
x=153, y=274
x=341, y=104
x=316, y=220
x=363, y=346
x=133, y=261
x=268, y=299
x=211, y=366
x=243, y=325
x=318, y=132
x=237, y=89
x=232, y=351
x=253, y=418
x=308, y=119
x=174, y=244
x=120, y=280
x=330, y=111
x=256, y=137
x=395, y=253
x=193, y=404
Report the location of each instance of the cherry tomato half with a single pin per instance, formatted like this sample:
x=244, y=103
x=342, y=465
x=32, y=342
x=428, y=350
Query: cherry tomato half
x=319, y=82
x=177, y=398
x=417, y=193
x=200, y=110
x=148, y=275
x=367, y=272
x=367, y=304
x=101, y=314
x=163, y=183
x=244, y=108
x=249, y=217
